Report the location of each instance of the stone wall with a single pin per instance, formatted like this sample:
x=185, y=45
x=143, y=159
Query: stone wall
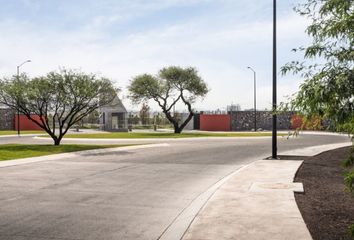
x=7, y=119
x=244, y=120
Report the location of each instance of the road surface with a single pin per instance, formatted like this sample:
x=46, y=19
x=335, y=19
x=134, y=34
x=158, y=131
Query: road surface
x=135, y=194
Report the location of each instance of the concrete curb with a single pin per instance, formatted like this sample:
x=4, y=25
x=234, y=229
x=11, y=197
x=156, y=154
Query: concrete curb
x=315, y=150
x=37, y=135
x=153, y=139
x=16, y=162
x=324, y=133
x=188, y=139
x=181, y=223
x=22, y=135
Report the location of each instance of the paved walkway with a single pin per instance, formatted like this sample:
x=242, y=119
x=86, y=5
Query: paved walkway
x=256, y=203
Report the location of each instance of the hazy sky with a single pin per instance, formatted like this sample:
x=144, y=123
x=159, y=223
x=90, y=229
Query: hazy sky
x=122, y=38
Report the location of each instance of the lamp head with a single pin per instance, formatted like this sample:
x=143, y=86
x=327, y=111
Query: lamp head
x=250, y=68
x=24, y=63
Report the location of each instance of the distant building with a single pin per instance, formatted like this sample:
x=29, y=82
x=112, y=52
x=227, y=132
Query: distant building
x=114, y=117
x=233, y=108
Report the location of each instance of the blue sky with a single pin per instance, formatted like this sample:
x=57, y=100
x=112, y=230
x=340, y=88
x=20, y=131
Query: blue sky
x=122, y=38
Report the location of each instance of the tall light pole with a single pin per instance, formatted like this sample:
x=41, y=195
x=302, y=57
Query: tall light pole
x=274, y=132
x=18, y=108
x=255, y=98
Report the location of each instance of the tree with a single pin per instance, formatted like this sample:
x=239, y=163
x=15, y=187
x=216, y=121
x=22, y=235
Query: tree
x=92, y=118
x=135, y=119
x=144, y=114
x=60, y=99
x=328, y=89
x=171, y=85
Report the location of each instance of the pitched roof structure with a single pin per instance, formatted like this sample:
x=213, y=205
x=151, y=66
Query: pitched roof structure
x=115, y=106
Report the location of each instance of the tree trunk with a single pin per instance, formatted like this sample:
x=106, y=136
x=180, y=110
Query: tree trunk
x=176, y=127
x=173, y=121
x=56, y=142
x=191, y=114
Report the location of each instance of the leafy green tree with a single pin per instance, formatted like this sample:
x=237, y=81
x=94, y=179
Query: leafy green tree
x=144, y=114
x=92, y=118
x=60, y=99
x=328, y=89
x=135, y=119
x=171, y=85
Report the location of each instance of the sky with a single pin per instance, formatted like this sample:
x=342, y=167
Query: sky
x=120, y=39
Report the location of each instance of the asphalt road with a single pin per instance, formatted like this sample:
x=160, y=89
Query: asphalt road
x=133, y=194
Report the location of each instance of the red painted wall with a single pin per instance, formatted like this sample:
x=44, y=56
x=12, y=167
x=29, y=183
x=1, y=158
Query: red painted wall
x=297, y=122
x=215, y=122
x=26, y=124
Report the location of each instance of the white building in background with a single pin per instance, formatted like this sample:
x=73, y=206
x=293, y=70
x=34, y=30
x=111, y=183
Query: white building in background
x=233, y=108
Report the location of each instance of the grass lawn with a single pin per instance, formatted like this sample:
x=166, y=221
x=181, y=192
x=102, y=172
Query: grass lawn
x=15, y=151
x=168, y=135
x=6, y=132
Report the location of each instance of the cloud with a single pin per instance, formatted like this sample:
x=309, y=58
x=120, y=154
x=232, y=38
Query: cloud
x=220, y=48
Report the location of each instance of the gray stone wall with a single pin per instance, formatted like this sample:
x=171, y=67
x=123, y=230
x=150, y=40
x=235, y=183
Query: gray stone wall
x=7, y=119
x=244, y=120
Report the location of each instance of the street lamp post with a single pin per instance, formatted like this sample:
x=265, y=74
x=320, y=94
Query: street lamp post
x=274, y=132
x=255, y=98
x=18, y=108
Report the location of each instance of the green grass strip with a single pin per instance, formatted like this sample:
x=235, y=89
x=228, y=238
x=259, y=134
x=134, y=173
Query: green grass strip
x=16, y=151
x=10, y=132
x=168, y=135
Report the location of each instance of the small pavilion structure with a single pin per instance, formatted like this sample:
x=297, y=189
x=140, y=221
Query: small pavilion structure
x=114, y=117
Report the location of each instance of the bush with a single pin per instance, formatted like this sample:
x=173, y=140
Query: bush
x=351, y=231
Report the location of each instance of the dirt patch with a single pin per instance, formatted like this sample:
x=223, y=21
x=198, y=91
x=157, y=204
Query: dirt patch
x=326, y=208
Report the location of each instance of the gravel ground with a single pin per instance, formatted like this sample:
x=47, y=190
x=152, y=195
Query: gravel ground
x=326, y=208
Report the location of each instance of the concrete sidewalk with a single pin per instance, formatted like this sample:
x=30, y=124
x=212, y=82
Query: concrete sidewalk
x=257, y=203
